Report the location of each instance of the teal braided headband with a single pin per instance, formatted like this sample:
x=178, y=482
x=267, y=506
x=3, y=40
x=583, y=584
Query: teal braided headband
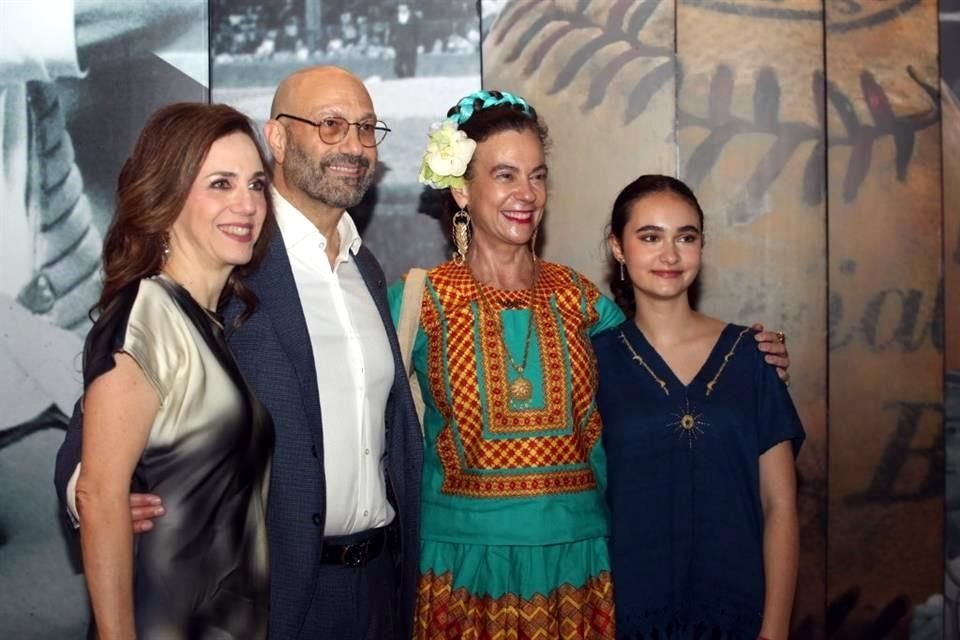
x=467, y=105
x=449, y=151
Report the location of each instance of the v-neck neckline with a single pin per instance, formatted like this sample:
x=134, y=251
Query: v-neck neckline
x=660, y=366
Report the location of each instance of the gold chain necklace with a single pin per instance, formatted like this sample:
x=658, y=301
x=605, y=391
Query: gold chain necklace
x=521, y=389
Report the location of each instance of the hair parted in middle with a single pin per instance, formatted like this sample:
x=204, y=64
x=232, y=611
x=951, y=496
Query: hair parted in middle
x=645, y=185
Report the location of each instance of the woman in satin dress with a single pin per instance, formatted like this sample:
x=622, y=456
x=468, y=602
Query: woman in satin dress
x=166, y=410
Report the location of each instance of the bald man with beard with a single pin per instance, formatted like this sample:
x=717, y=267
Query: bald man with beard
x=322, y=355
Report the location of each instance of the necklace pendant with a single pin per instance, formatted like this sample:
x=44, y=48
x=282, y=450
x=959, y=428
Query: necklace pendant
x=521, y=390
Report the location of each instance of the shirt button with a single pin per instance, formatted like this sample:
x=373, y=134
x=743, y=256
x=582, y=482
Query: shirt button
x=316, y=519
x=366, y=452
x=366, y=512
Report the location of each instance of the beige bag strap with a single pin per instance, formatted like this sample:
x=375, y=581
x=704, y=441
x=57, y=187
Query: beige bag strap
x=407, y=326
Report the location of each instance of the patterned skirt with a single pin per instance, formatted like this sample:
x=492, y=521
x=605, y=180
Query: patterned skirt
x=480, y=592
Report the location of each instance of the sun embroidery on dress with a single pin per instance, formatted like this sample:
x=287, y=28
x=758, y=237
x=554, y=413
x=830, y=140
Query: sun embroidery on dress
x=688, y=422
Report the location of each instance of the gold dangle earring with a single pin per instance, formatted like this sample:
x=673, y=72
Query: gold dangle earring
x=533, y=244
x=461, y=235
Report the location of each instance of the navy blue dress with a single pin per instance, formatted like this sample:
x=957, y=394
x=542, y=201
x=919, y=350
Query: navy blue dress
x=684, y=484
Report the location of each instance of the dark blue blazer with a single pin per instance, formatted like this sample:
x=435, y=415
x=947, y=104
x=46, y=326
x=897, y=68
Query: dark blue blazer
x=274, y=352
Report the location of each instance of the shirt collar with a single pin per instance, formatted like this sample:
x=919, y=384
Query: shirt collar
x=295, y=228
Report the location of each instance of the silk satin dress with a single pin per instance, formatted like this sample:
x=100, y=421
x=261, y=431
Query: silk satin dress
x=201, y=573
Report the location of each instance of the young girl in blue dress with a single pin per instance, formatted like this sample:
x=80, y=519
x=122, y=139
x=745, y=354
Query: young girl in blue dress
x=701, y=437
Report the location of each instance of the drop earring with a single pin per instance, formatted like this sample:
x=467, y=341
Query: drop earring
x=461, y=235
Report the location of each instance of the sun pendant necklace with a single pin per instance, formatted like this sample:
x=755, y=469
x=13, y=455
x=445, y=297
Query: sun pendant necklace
x=687, y=422
x=520, y=390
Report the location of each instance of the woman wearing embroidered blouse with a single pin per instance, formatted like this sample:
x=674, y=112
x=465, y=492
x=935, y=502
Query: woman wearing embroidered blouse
x=165, y=405
x=514, y=522
x=700, y=438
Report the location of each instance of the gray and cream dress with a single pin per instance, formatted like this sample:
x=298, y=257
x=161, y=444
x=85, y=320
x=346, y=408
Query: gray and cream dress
x=202, y=572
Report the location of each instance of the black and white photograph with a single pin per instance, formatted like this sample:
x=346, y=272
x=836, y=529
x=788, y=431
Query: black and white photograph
x=416, y=59
x=77, y=80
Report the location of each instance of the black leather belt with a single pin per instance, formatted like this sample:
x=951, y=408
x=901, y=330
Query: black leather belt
x=355, y=550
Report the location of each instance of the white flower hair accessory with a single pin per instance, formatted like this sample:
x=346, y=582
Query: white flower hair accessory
x=447, y=156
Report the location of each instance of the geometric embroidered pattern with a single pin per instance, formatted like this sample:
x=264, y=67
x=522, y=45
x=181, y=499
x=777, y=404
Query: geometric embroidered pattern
x=567, y=613
x=487, y=446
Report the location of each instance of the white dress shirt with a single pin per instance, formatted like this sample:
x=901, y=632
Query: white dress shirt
x=355, y=370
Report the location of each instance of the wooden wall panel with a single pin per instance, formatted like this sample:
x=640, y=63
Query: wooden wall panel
x=752, y=147
x=885, y=487
x=602, y=75
x=811, y=132
x=950, y=151
x=950, y=101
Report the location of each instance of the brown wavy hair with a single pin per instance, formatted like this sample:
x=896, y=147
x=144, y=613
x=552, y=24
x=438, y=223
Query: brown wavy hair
x=152, y=191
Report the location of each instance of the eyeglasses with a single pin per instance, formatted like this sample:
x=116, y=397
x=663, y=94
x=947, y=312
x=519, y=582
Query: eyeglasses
x=333, y=129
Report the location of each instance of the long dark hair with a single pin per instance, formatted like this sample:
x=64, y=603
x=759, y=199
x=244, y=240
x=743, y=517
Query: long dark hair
x=152, y=190
x=640, y=188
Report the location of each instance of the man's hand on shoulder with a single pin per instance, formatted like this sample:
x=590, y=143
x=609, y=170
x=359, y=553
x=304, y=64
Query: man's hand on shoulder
x=774, y=345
